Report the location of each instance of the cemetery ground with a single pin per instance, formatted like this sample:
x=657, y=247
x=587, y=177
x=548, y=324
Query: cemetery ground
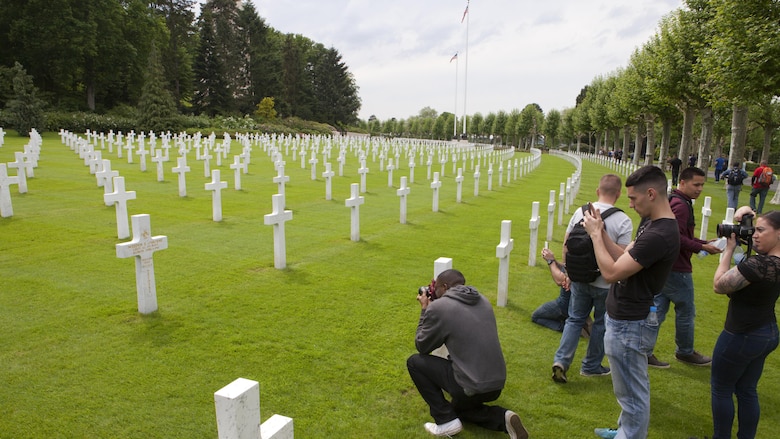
x=327, y=338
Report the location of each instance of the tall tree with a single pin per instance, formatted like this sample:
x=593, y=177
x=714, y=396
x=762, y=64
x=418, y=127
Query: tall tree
x=742, y=64
x=156, y=108
x=25, y=109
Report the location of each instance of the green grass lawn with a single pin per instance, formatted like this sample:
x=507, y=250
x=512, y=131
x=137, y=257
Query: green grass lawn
x=327, y=338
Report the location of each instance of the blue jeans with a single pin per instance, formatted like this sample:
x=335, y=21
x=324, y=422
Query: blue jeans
x=732, y=193
x=678, y=289
x=761, y=192
x=627, y=344
x=584, y=297
x=737, y=363
x=718, y=171
x=553, y=314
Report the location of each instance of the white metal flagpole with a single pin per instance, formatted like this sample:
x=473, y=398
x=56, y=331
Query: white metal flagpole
x=466, y=67
x=455, y=122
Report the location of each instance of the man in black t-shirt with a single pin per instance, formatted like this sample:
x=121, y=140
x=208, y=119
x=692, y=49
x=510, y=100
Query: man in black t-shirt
x=637, y=275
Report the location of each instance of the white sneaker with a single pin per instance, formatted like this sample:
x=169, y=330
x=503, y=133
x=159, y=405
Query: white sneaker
x=514, y=427
x=447, y=429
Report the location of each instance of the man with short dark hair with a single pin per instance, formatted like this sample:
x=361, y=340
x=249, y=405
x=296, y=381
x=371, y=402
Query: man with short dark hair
x=675, y=163
x=475, y=372
x=734, y=178
x=636, y=274
x=678, y=288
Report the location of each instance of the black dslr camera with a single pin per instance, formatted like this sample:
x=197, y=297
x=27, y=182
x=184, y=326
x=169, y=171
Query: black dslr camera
x=428, y=290
x=743, y=231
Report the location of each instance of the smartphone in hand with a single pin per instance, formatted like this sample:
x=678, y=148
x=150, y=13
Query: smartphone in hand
x=591, y=209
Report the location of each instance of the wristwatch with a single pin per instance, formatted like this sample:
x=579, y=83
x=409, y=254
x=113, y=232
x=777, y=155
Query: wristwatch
x=550, y=261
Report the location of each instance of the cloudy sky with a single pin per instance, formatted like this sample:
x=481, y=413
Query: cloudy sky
x=519, y=51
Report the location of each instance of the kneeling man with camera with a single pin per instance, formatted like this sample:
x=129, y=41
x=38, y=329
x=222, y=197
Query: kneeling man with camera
x=461, y=318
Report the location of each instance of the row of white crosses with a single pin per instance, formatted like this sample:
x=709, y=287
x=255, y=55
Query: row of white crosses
x=25, y=163
x=143, y=245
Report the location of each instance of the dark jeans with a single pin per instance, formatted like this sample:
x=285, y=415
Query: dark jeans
x=553, y=314
x=737, y=364
x=432, y=374
x=761, y=192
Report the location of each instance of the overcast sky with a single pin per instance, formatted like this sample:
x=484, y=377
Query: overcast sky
x=519, y=51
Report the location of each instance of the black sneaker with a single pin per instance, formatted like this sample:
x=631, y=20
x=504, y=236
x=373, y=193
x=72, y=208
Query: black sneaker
x=694, y=359
x=655, y=362
x=559, y=374
x=600, y=372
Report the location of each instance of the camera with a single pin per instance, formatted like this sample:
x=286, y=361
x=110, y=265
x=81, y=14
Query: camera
x=743, y=231
x=428, y=290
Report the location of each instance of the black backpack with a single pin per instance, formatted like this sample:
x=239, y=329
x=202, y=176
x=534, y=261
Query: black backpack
x=581, y=265
x=735, y=177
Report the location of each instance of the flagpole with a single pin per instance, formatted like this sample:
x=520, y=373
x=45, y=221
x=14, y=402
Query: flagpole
x=455, y=122
x=466, y=69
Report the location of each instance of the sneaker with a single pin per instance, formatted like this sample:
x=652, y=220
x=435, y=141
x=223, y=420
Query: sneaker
x=600, y=372
x=694, y=359
x=605, y=433
x=559, y=374
x=447, y=429
x=655, y=362
x=514, y=427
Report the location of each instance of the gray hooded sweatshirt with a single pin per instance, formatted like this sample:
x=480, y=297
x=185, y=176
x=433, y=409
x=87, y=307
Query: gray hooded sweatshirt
x=463, y=319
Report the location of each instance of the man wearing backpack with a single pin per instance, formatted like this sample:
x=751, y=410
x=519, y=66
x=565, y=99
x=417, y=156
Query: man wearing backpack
x=763, y=177
x=734, y=178
x=588, y=289
x=678, y=288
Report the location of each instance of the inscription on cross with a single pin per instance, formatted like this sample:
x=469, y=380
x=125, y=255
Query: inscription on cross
x=142, y=247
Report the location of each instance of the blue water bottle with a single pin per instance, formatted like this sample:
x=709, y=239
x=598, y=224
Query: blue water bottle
x=652, y=317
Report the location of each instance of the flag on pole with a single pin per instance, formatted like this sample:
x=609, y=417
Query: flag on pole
x=465, y=12
x=454, y=57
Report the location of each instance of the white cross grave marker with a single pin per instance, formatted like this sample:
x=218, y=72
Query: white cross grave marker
x=459, y=182
x=105, y=177
x=354, y=203
x=142, y=247
x=120, y=197
x=328, y=176
x=435, y=185
x=503, y=249
x=21, y=171
x=533, y=224
x=277, y=218
x=236, y=167
x=281, y=179
x=216, y=187
x=158, y=158
x=363, y=171
x=6, y=208
x=313, y=162
x=238, y=414
x=182, y=169
x=550, y=215
x=390, y=168
x=476, y=181
x=403, y=192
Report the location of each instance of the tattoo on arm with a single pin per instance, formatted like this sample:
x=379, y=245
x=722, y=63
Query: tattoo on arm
x=732, y=281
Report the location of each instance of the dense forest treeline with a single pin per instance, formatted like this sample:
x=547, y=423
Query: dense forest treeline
x=130, y=57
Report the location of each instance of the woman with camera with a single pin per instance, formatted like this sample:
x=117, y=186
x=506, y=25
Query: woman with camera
x=750, y=333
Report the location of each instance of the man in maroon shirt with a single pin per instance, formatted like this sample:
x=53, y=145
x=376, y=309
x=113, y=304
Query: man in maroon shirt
x=678, y=288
